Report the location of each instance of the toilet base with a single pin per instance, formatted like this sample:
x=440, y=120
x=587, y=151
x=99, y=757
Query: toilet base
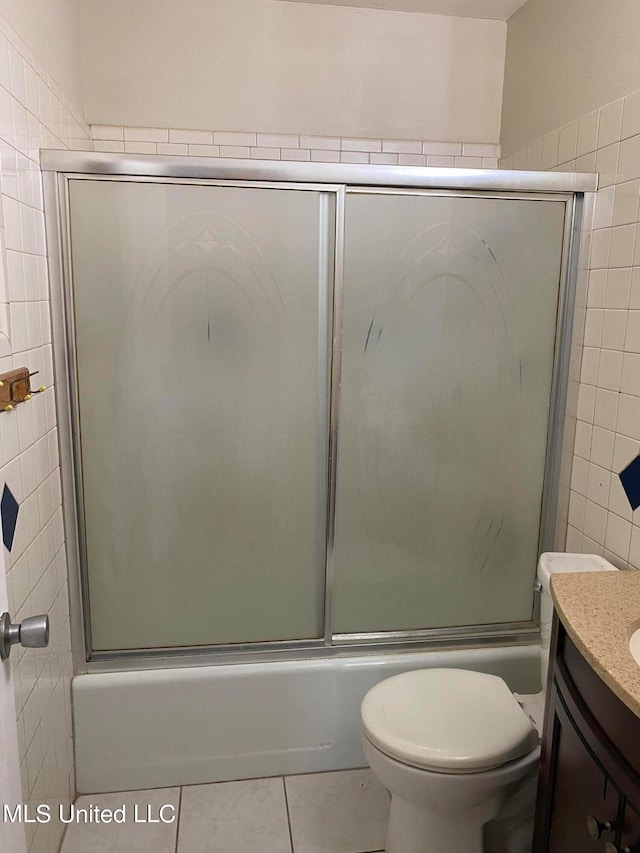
x=445, y=812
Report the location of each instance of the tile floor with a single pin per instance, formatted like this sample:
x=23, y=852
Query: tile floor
x=342, y=812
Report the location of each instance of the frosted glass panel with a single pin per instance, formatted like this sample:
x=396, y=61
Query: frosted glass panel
x=449, y=325
x=201, y=331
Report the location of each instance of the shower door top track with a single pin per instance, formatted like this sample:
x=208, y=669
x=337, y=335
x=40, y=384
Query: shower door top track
x=335, y=182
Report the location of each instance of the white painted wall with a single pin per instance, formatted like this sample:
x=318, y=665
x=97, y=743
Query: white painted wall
x=270, y=66
x=566, y=58
x=51, y=30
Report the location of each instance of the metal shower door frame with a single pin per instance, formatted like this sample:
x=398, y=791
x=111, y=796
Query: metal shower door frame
x=59, y=167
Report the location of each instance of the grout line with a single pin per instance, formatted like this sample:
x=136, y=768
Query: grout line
x=179, y=816
x=286, y=805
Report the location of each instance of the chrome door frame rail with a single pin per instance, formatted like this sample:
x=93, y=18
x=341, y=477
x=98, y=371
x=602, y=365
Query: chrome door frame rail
x=58, y=167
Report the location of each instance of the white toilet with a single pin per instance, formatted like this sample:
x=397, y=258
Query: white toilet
x=455, y=747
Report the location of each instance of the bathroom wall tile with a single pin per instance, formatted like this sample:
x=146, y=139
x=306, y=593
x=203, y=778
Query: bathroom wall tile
x=597, y=288
x=613, y=328
x=576, y=510
x=300, y=154
x=587, y=134
x=260, y=153
x=598, y=480
x=622, y=246
x=593, y=327
x=618, y=536
x=602, y=447
x=363, y=145
x=610, y=369
x=392, y=160
x=618, y=501
x=146, y=134
x=325, y=156
x=320, y=143
x=239, y=151
x=234, y=817
x=227, y=138
x=34, y=114
x=346, y=811
x=600, y=242
x=440, y=161
x=607, y=164
x=191, y=137
x=401, y=146
x=198, y=150
x=412, y=160
x=630, y=377
x=625, y=208
x=534, y=156
x=628, y=422
x=629, y=160
x=568, y=142
x=490, y=163
x=109, y=147
x=583, y=438
x=140, y=147
x=631, y=116
x=632, y=335
x=618, y=288
x=107, y=132
x=280, y=140
x=447, y=149
x=172, y=148
x=586, y=162
x=550, y=144
x=603, y=216
x=610, y=124
x=354, y=157
x=595, y=522
x=474, y=149
x=467, y=162
x=634, y=550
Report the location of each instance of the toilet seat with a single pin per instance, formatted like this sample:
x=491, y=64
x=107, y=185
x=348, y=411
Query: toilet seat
x=447, y=721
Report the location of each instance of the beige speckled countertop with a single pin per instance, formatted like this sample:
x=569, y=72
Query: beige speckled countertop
x=600, y=611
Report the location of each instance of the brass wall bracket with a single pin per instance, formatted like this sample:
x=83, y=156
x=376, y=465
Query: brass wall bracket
x=15, y=387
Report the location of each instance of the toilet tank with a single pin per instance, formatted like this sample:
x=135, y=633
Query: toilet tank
x=549, y=563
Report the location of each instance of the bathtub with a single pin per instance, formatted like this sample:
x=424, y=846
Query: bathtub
x=182, y=726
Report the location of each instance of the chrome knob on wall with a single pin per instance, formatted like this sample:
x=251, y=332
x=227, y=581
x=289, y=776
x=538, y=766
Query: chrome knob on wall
x=32, y=633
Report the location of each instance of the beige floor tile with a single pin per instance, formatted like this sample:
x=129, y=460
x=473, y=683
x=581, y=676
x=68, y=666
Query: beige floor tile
x=234, y=817
x=343, y=812
x=127, y=837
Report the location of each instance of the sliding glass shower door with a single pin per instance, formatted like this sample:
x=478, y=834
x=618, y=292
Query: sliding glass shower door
x=450, y=309
x=202, y=351
x=308, y=415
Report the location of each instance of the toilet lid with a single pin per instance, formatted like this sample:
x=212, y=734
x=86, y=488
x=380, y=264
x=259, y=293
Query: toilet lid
x=447, y=720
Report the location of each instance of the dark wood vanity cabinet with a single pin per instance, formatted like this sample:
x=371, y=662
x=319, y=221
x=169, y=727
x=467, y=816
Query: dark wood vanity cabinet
x=589, y=786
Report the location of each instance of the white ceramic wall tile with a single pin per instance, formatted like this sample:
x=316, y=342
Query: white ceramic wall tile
x=366, y=145
x=568, y=143
x=450, y=149
x=631, y=116
x=587, y=134
x=191, y=137
x=146, y=134
x=339, y=812
x=34, y=114
x=610, y=124
x=227, y=138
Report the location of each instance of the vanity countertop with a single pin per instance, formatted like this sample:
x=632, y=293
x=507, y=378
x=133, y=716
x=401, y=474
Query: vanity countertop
x=600, y=611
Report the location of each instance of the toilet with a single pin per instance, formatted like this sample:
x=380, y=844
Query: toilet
x=456, y=749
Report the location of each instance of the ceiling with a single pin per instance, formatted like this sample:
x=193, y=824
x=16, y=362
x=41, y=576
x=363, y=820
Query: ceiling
x=500, y=10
